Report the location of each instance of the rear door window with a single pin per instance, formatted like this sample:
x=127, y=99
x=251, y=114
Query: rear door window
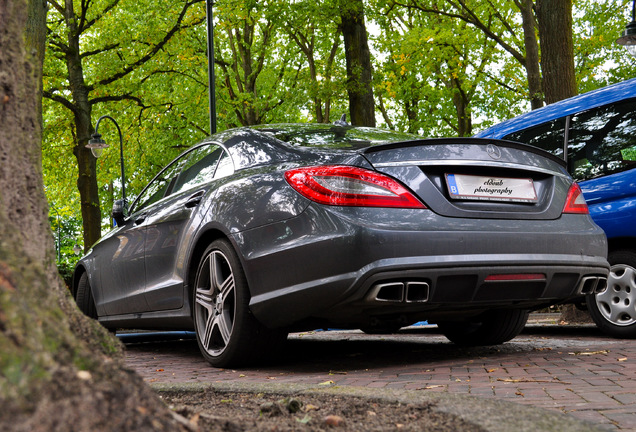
x=603, y=140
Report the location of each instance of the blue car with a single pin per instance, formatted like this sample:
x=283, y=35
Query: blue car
x=595, y=133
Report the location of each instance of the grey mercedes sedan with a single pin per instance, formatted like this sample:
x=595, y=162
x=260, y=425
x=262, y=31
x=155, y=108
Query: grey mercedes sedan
x=259, y=231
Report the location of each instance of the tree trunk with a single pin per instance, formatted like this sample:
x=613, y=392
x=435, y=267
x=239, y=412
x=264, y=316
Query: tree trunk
x=533, y=71
x=559, y=80
x=87, y=171
x=50, y=377
x=358, y=58
x=557, y=49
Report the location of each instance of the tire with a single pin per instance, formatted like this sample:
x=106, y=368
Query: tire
x=490, y=328
x=614, y=310
x=84, y=297
x=226, y=331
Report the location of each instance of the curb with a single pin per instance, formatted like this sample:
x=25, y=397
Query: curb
x=491, y=415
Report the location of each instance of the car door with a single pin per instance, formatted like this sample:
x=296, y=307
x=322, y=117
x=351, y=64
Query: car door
x=167, y=224
x=120, y=258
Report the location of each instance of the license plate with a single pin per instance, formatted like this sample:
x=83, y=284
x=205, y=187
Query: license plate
x=470, y=187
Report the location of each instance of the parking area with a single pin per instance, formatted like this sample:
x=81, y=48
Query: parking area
x=570, y=369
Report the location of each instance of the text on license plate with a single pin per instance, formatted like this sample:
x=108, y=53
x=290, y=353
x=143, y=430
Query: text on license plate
x=471, y=187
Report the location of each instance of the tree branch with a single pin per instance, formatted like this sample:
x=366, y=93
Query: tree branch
x=131, y=67
x=60, y=99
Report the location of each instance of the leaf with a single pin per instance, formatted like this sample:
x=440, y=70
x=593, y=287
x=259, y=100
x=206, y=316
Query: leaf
x=586, y=353
x=526, y=380
x=431, y=387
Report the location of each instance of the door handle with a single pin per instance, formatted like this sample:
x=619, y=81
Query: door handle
x=195, y=199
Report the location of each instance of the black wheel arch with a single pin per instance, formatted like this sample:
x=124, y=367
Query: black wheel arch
x=621, y=243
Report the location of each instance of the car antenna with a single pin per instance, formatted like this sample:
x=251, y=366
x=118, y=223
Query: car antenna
x=342, y=121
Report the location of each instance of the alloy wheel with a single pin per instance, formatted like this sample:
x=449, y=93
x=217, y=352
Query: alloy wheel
x=215, y=303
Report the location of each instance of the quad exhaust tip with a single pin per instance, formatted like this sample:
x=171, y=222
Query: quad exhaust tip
x=592, y=285
x=400, y=292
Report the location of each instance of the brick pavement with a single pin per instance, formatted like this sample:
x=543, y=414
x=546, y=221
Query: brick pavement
x=575, y=370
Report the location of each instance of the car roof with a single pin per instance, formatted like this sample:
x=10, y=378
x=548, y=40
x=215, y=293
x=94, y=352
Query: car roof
x=585, y=101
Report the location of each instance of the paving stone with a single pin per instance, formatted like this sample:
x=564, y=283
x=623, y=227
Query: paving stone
x=571, y=369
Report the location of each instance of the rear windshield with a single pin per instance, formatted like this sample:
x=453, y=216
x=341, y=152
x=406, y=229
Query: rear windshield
x=332, y=136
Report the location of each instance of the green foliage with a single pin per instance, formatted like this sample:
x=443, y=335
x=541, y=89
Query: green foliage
x=436, y=72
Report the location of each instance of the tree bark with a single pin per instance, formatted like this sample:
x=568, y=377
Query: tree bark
x=51, y=376
x=358, y=59
x=82, y=110
x=557, y=49
x=533, y=71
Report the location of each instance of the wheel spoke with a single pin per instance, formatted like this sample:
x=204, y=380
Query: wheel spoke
x=225, y=326
x=206, y=338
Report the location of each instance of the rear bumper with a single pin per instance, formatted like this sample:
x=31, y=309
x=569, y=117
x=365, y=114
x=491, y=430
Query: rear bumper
x=342, y=272
x=410, y=289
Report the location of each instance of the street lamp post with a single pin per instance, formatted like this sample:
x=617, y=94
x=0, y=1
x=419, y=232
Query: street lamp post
x=211, y=77
x=628, y=38
x=97, y=145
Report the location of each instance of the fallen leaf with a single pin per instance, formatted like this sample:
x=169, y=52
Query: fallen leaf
x=327, y=383
x=159, y=370
x=622, y=359
x=589, y=352
x=84, y=375
x=526, y=380
x=491, y=370
x=337, y=372
x=519, y=393
x=334, y=420
x=431, y=387
x=305, y=419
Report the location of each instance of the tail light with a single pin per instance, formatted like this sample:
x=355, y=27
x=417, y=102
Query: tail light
x=575, y=202
x=350, y=186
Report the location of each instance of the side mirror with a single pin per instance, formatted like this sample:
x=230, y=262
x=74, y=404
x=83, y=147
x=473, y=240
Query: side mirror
x=120, y=211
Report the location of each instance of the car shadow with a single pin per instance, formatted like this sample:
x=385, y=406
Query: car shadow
x=315, y=352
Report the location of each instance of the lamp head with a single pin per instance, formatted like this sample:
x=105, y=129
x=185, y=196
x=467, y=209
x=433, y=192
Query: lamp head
x=628, y=39
x=96, y=144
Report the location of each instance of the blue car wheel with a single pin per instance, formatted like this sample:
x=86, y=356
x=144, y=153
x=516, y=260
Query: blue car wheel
x=614, y=310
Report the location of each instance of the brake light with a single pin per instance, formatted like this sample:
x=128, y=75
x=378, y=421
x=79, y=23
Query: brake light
x=575, y=202
x=350, y=186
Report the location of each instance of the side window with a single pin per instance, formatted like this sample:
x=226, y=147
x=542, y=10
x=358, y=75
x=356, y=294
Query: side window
x=548, y=136
x=159, y=186
x=204, y=164
x=603, y=140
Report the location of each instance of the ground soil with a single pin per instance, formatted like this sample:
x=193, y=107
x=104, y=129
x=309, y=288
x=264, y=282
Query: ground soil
x=211, y=410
